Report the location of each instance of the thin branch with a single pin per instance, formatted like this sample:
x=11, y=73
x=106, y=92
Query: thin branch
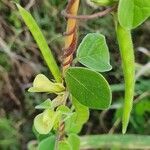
x=70, y=34
x=12, y=55
x=87, y=17
x=30, y=4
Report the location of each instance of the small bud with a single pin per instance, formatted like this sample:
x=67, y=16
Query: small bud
x=42, y=84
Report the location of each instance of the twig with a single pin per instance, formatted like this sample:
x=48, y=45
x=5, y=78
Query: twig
x=87, y=17
x=142, y=71
x=30, y=4
x=117, y=122
x=10, y=90
x=12, y=55
x=70, y=34
x=102, y=116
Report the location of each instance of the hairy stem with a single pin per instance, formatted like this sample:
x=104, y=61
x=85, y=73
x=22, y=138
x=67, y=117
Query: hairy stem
x=128, y=64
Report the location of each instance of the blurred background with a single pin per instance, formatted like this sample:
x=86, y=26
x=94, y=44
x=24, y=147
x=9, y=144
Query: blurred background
x=20, y=61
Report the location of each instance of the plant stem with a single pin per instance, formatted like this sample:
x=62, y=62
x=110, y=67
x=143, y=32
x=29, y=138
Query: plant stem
x=92, y=16
x=69, y=48
x=71, y=37
x=128, y=64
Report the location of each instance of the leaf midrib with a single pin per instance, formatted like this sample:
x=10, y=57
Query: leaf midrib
x=82, y=85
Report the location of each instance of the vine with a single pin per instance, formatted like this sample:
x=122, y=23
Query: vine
x=85, y=87
x=71, y=33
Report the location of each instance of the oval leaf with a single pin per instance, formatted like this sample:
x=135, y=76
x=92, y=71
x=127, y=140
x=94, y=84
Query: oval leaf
x=93, y=52
x=132, y=13
x=64, y=145
x=72, y=125
x=88, y=87
x=47, y=144
x=74, y=141
x=81, y=110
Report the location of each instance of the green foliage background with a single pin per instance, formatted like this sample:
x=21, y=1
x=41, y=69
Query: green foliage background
x=20, y=61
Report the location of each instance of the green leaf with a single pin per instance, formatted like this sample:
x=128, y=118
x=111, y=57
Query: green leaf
x=64, y=145
x=40, y=40
x=115, y=141
x=132, y=13
x=81, y=110
x=48, y=104
x=47, y=144
x=42, y=84
x=39, y=136
x=45, y=121
x=88, y=87
x=76, y=121
x=45, y=105
x=72, y=125
x=142, y=107
x=93, y=52
x=65, y=112
x=63, y=109
x=74, y=141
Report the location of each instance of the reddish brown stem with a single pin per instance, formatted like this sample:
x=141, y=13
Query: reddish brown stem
x=70, y=34
x=86, y=17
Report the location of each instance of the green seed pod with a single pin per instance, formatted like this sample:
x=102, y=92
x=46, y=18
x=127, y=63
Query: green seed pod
x=103, y=2
x=128, y=64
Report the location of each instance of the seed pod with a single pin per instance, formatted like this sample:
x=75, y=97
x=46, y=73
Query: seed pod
x=128, y=64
